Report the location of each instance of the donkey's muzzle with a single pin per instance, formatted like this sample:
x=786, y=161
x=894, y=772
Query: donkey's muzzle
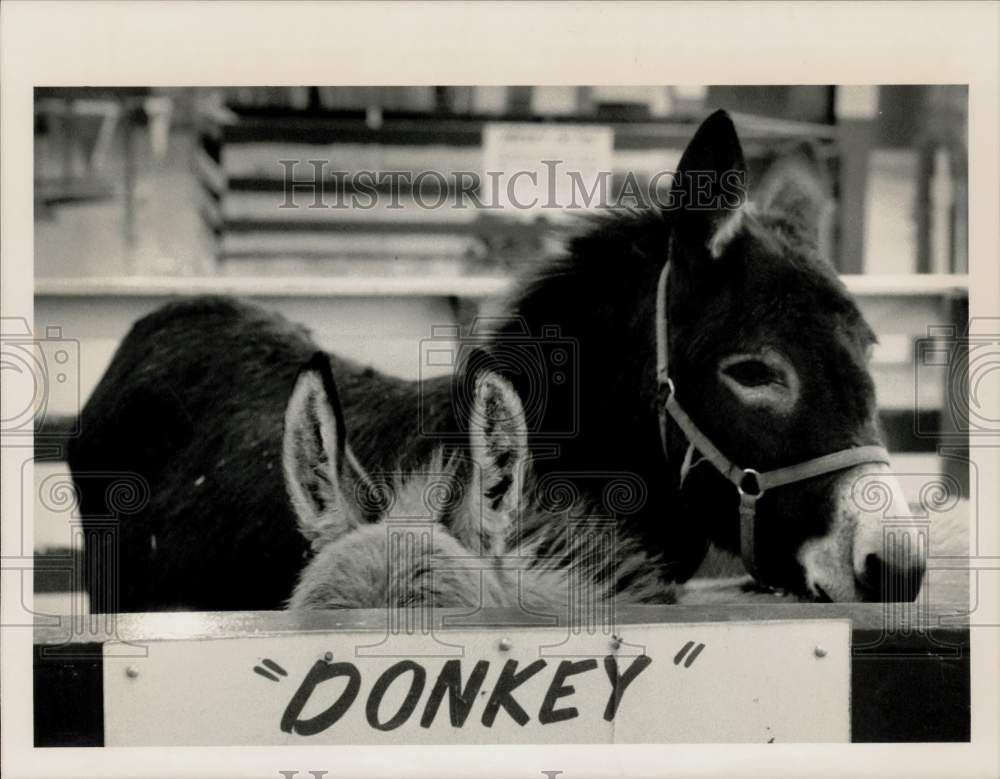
x=895, y=575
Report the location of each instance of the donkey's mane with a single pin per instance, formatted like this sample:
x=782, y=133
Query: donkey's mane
x=604, y=244
x=596, y=237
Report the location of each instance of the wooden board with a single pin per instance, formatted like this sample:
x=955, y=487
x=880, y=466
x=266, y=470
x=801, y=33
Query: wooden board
x=677, y=683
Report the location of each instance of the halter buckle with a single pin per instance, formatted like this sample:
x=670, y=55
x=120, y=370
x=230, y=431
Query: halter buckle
x=749, y=485
x=665, y=389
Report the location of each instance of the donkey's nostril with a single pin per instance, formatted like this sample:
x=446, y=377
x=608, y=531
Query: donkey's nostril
x=893, y=578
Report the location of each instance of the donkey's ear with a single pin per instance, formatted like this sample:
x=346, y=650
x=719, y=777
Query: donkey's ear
x=498, y=437
x=708, y=188
x=795, y=189
x=318, y=478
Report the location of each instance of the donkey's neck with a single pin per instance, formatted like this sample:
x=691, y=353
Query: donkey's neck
x=601, y=299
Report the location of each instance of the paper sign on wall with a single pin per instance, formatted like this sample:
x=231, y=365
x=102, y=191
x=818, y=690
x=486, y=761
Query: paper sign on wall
x=533, y=169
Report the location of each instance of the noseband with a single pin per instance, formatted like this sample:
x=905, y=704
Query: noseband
x=750, y=483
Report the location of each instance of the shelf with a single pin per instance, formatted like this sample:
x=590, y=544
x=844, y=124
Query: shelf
x=469, y=287
x=250, y=125
x=906, y=285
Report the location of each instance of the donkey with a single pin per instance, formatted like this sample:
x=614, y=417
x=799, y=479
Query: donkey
x=718, y=359
x=425, y=551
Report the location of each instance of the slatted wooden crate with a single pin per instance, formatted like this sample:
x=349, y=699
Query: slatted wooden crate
x=238, y=161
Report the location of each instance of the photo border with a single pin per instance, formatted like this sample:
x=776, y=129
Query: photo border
x=181, y=44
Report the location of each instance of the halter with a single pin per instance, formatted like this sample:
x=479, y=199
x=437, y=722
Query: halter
x=750, y=483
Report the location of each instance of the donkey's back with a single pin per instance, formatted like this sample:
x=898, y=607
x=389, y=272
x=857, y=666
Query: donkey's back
x=193, y=403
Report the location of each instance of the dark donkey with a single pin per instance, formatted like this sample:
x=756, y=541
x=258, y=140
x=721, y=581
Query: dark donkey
x=761, y=350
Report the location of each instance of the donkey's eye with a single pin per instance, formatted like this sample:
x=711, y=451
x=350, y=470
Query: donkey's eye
x=753, y=373
x=763, y=379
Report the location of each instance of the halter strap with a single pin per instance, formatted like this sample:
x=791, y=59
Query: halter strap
x=750, y=484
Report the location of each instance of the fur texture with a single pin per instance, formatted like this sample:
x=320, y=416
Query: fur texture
x=412, y=563
x=425, y=553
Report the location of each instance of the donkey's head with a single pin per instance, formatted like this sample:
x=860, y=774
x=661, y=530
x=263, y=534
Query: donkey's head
x=441, y=535
x=769, y=356
x=431, y=527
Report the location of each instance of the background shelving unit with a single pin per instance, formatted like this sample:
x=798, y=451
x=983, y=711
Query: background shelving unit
x=239, y=147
